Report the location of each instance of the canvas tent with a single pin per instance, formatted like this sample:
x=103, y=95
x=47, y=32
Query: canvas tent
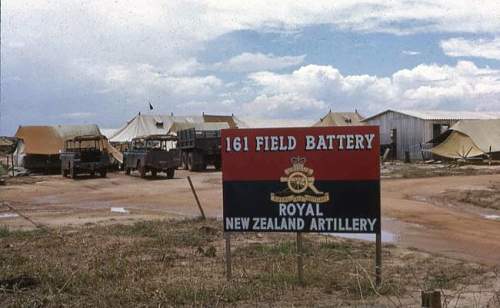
x=145, y=124
x=231, y=121
x=49, y=140
x=108, y=132
x=470, y=138
x=340, y=119
x=39, y=146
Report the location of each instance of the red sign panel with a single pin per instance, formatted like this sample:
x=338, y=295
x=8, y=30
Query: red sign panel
x=318, y=179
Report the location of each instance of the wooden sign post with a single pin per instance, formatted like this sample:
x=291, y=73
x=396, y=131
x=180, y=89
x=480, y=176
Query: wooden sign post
x=300, y=260
x=315, y=179
x=196, y=198
x=378, y=258
x=227, y=237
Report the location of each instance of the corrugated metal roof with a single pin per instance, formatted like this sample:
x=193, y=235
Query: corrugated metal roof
x=443, y=114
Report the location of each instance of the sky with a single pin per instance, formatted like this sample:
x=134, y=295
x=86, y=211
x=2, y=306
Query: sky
x=102, y=62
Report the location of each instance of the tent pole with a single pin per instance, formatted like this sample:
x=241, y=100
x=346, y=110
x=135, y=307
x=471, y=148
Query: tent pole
x=12, y=162
x=489, y=162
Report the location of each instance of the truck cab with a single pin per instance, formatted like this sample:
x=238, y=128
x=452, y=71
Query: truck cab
x=84, y=154
x=154, y=153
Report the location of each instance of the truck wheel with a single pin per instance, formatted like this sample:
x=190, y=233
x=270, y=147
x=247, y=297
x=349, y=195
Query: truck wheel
x=185, y=158
x=64, y=172
x=190, y=160
x=72, y=172
x=142, y=171
x=154, y=172
x=127, y=171
x=92, y=173
x=199, y=162
x=183, y=165
x=103, y=173
x=170, y=173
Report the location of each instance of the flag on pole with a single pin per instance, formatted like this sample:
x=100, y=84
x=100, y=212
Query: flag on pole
x=150, y=106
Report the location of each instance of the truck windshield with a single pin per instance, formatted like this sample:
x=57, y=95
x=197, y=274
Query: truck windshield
x=152, y=144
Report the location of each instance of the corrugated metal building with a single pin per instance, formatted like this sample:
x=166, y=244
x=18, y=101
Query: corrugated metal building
x=408, y=130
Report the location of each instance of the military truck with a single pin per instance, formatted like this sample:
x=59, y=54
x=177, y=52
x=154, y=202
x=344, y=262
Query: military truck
x=155, y=153
x=85, y=154
x=200, y=146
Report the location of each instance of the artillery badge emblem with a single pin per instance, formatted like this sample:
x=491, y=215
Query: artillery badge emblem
x=300, y=185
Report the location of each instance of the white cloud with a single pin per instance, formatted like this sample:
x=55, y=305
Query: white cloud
x=253, y=62
x=186, y=67
x=410, y=52
x=168, y=31
x=117, y=73
x=366, y=16
x=77, y=115
x=135, y=50
x=144, y=80
x=261, y=122
x=313, y=88
x=482, y=48
x=306, y=92
x=284, y=105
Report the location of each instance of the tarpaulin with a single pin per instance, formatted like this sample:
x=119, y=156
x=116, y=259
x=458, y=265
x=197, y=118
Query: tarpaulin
x=470, y=138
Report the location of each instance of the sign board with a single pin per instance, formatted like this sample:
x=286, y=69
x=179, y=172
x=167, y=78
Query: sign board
x=316, y=179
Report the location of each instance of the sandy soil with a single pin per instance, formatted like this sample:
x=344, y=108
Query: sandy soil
x=55, y=201
x=421, y=221
x=409, y=207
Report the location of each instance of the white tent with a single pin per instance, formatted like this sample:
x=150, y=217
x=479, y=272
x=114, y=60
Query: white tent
x=108, y=132
x=145, y=125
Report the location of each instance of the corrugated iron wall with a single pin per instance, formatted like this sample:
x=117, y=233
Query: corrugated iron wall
x=411, y=132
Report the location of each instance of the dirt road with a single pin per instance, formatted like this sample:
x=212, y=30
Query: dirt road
x=425, y=224
x=56, y=201
x=408, y=207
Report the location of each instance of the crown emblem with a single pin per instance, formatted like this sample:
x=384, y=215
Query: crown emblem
x=300, y=185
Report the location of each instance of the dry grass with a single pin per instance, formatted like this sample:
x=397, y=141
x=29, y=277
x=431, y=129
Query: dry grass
x=174, y=263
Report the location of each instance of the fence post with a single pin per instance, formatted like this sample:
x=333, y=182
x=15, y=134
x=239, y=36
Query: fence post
x=196, y=197
x=489, y=162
